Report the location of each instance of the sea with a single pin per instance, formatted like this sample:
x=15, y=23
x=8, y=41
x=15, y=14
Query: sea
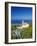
x=20, y=21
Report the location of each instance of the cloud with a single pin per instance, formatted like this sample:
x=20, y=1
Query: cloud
x=22, y=17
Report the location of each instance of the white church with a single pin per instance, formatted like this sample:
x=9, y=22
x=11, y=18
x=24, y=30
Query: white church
x=24, y=25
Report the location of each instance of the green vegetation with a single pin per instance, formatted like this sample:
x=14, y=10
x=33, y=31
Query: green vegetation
x=13, y=27
x=25, y=33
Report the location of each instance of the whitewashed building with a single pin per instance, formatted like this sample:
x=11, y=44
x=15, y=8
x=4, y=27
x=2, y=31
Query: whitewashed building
x=24, y=25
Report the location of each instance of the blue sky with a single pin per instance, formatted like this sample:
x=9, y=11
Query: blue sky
x=21, y=13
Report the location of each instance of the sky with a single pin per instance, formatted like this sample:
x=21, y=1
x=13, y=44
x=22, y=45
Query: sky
x=21, y=13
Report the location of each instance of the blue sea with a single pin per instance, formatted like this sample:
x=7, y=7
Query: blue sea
x=20, y=21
